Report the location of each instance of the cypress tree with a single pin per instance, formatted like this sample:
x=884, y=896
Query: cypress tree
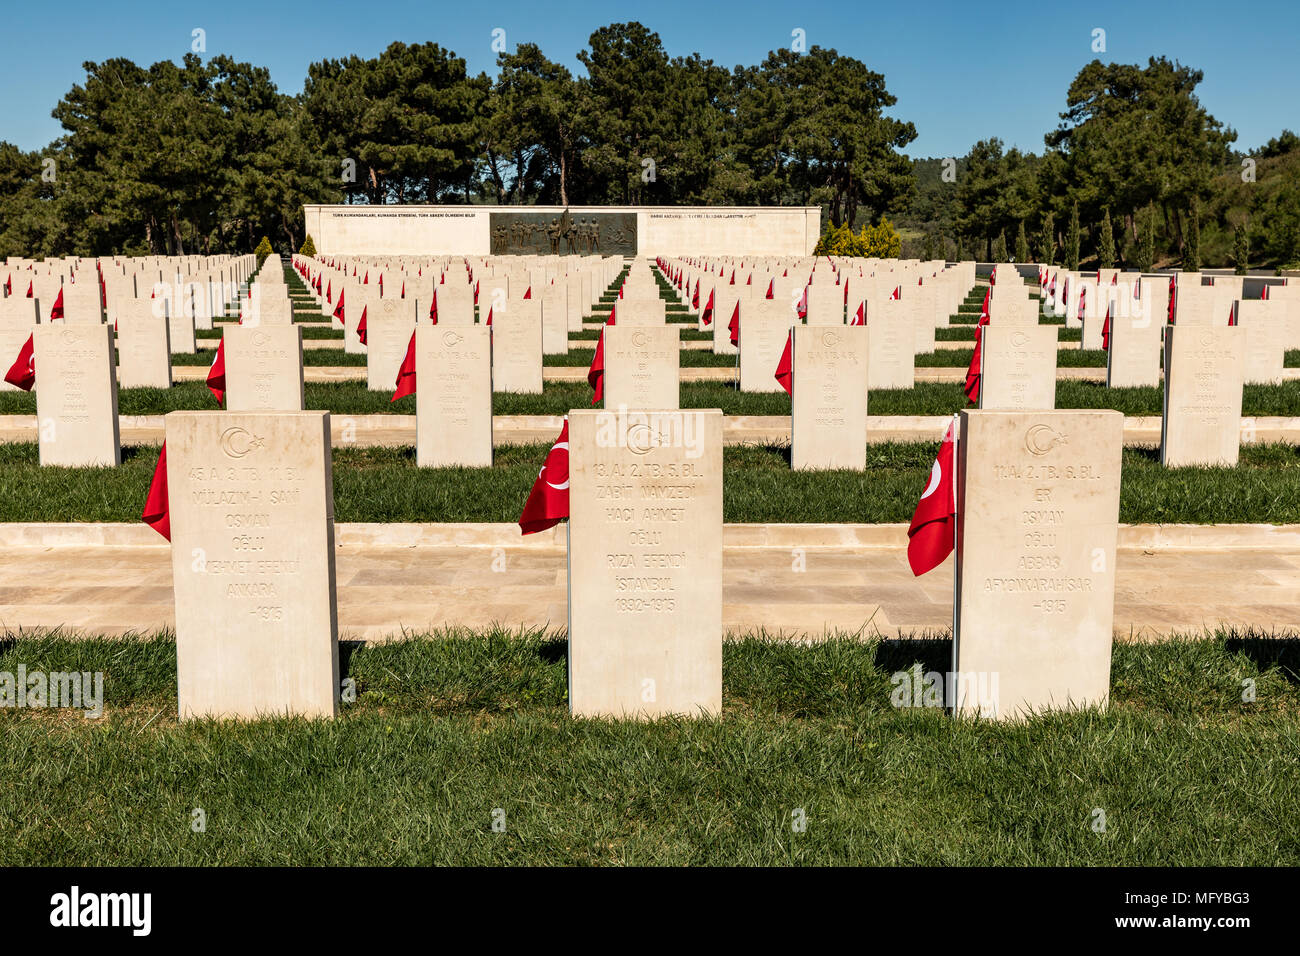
x=1106, y=250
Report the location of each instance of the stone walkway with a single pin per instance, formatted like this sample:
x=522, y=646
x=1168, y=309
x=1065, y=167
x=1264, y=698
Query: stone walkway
x=362, y=431
x=112, y=579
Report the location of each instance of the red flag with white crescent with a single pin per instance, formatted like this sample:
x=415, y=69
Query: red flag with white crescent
x=22, y=374
x=548, y=502
x=930, y=535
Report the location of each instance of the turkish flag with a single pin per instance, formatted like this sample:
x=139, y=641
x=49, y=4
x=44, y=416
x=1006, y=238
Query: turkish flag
x=973, y=371
x=217, y=373
x=56, y=310
x=860, y=317
x=22, y=374
x=528, y=294
x=1264, y=294
x=734, y=325
x=897, y=293
x=156, y=512
x=1105, y=330
x=802, y=307
x=984, y=309
x=361, y=326
x=1173, y=296
x=930, y=535
x=695, y=296
x=785, y=367
x=548, y=502
x=433, y=306
x=338, y=309
x=29, y=289
x=770, y=286
x=406, y=374
x=596, y=374
x=706, y=317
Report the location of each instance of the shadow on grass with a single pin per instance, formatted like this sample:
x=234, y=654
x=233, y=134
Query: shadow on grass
x=1267, y=653
x=899, y=654
x=553, y=650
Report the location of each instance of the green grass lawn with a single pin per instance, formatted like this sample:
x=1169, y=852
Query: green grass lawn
x=448, y=728
x=384, y=485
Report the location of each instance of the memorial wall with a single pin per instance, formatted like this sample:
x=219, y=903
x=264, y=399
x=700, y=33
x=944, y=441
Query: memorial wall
x=575, y=230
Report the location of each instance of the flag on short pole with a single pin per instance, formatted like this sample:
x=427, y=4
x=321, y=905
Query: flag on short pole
x=22, y=374
x=706, y=317
x=733, y=327
x=860, y=317
x=339, y=311
x=548, y=502
x=56, y=310
x=157, y=514
x=406, y=373
x=217, y=374
x=361, y=325
x=785, y=367
x=931, y=534
x=1105, y=330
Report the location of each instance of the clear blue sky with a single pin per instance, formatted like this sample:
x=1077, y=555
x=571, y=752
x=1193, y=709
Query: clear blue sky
x=961, y=71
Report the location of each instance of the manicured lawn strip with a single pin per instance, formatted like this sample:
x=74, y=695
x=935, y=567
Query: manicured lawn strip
x=307, y=333
x=557, y=398
x=449, y=727
x=966, y=333
x=384, y=485
x=960, y=358
x=690, y=358
x=313, y=357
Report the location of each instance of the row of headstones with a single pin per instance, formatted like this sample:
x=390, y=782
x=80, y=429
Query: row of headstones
x=1037, y=494
x=197, y=288
x=527, y=322
x=150, y=327
x=1127, y=314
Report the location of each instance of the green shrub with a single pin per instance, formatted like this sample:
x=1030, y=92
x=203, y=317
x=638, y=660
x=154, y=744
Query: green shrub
x=263, y=250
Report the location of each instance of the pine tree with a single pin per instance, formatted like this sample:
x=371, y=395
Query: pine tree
x=1022, y=244
x=1106, y=249
x=999, y=251
x=1047, y=241
x=308, y=247
x=1072, y=240
x=1192, y=247
x=960, y=254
